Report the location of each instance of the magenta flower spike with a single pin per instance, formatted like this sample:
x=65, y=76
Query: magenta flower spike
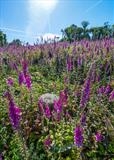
x=28, y=81
x=1, y=157
x=98, y=137
x=21, y=78
x=85, y=93
x=69, y=64
x=83, y=119
x=58, y=106
x=108, y=89
x=41, y=106
x=47, y=112
x=47, y=142
x=63, y=97
x=14, y=114
x=78, y=136
x=101, y=90
x=25, y=66
x=10, y=81
x=111, y=98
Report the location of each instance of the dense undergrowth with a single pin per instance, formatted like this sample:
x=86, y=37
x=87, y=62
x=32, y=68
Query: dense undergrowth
x=80, y=125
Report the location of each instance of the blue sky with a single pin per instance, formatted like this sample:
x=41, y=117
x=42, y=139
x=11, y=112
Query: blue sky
x=28, y=19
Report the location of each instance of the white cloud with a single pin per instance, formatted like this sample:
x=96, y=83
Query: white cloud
x=39, y=12
x=51, y=36
x=45, y=37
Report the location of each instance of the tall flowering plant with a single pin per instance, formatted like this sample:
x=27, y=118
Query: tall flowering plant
x=59, y=103
x=24, y=76
x=78, y=136
x=69, y=63
x=14, y=114
x=14, y=111
x=85, y=93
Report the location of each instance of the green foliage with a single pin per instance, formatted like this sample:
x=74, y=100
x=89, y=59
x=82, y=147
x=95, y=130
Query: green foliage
x=3, y=39
x=16, y=42
x=74, y=32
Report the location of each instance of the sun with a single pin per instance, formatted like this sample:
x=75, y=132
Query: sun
x=47, y=4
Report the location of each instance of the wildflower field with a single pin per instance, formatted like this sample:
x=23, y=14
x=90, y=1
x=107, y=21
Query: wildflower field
x=78, y=123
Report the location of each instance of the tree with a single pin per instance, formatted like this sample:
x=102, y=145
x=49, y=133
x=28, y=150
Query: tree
x=69, y=33
x=16, y=42
x=112, y=31
x=85, y=31
x=84, y=24
x=3, y=39
x=79, y=32
x=74, y=32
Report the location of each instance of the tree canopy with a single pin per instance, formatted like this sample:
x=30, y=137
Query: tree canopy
x=73, y=32
x=3, y=39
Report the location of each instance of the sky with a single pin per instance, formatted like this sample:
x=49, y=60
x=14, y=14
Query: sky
x=30, y=19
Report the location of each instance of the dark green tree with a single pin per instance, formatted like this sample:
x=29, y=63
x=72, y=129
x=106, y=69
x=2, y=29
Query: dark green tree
x=84, y=24
x=112, y=31
x=74, y=32
x=3, y=39
x=85, y=30
x=16, y=42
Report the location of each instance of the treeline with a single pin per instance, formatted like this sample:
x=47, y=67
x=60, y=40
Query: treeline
x=73, y=32
x=3, y=40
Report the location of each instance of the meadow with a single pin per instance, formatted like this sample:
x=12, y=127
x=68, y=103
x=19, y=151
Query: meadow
x=79, y=123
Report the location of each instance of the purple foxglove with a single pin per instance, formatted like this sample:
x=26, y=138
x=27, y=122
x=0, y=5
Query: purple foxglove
x=21, y=78
x=40, y=105
x=101, y=90
x=111, y=98
x=108, y=89
x=28, y=81
x=58, y=106
x=85, y=93
x=78, y=136
x=69, y=64
x=1, y=157
x=79, y=61
x=10, y=81
x=14, y=114
x=47, y=112
x=7, y=95
x=63, y=97
x=98, y=137
x=47, y=142
x=25, y=66
x=83, y=119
